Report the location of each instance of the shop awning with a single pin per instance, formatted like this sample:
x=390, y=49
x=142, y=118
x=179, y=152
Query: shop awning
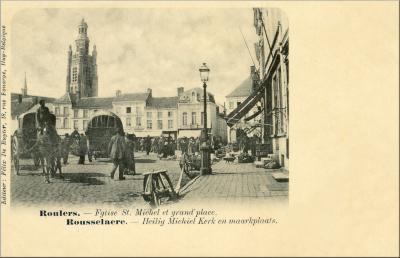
x=244, y=107
x=260, y=110
x=189, y=133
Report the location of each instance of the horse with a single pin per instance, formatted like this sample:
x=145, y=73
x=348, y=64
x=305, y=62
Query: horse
x=49, y=150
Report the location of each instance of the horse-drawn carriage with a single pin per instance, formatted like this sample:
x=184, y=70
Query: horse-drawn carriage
x=100, y=129
x=25, y=138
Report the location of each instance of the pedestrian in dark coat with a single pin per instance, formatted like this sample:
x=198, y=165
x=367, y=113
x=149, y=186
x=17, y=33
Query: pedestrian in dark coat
x=65, y=145
x=117, y=153
x=130, y=159
x=184, y=145
x=147, y=144
x=82, y=149
x=42, y=114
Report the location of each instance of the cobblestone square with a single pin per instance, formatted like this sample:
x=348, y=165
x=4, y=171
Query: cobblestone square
x=87, y=184
x=91, y=184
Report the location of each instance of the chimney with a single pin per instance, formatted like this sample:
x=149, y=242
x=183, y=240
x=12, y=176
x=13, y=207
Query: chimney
x=149, y=90
x=180, y=91
x=118, y=93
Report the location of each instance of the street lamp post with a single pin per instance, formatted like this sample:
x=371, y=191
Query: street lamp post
x=205, y=148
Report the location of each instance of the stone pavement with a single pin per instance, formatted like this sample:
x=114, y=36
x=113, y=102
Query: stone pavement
x=91, y=184
x=240, y=183
x=86, y=184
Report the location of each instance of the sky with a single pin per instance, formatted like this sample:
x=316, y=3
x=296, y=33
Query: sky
x=158, y=48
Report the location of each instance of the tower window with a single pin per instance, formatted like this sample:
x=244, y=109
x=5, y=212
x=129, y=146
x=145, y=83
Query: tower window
x=74, y=74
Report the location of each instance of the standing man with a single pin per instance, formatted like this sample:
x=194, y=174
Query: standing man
x=65, y=145
x=42, y=114
x=117, y=153
x=89, y=151
x=82, y=149
x=147, y=144
x=130, y=159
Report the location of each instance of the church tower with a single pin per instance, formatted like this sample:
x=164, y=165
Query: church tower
x=82, y=68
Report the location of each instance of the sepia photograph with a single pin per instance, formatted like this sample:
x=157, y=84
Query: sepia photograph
x=161, y=128
x=148, y=106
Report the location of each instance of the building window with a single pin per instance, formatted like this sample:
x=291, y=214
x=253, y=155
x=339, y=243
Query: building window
x=74, y=74
x=128, y=110
x=149, y=120
x=138, y=111
x=75, y=124
x=170, y=124
x=202, y=118
x=128, y=121
x=76, y=113
x=57, y=111
x=231, y=104
x=238, y=103
x=66, y=124
x=85, y=123
x=279, y=119
x=159, y=120
x=58, y=123
x=194, y=118
x=138, y=121
x=170, y=114
x=184, y=118
x=85, y=113
x=66, y=113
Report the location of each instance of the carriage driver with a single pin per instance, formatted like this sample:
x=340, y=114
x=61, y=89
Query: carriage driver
x=42, y=114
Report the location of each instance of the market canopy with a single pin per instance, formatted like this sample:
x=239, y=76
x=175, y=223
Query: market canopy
x=244, y=108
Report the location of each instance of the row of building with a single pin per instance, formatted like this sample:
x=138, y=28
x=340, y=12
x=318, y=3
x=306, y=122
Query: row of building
x=261, y=104
x=258, y=106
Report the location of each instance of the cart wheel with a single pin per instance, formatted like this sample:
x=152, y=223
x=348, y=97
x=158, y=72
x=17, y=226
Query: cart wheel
x=15, y=154
x=188, y=170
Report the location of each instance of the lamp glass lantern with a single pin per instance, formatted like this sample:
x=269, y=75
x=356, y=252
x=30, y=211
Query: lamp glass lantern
x=204, y=71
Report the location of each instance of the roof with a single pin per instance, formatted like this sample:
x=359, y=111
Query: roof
x=163, y=102
x=32, y=98
x=20, y=108
x=21, y=104
x=132, y=97
x=243, y=90
x=199, y=92
x=94, y=102
x=67, y=98
x=99, y=102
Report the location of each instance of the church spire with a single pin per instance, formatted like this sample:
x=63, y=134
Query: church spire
x=24, y=90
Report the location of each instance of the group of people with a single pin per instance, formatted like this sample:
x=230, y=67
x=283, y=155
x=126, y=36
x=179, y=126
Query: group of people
x=163, y=146
x=247, y=143
x=189, y=145
x=80, y=144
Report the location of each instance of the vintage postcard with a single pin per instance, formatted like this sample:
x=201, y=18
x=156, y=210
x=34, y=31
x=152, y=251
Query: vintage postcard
x=131, y=125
